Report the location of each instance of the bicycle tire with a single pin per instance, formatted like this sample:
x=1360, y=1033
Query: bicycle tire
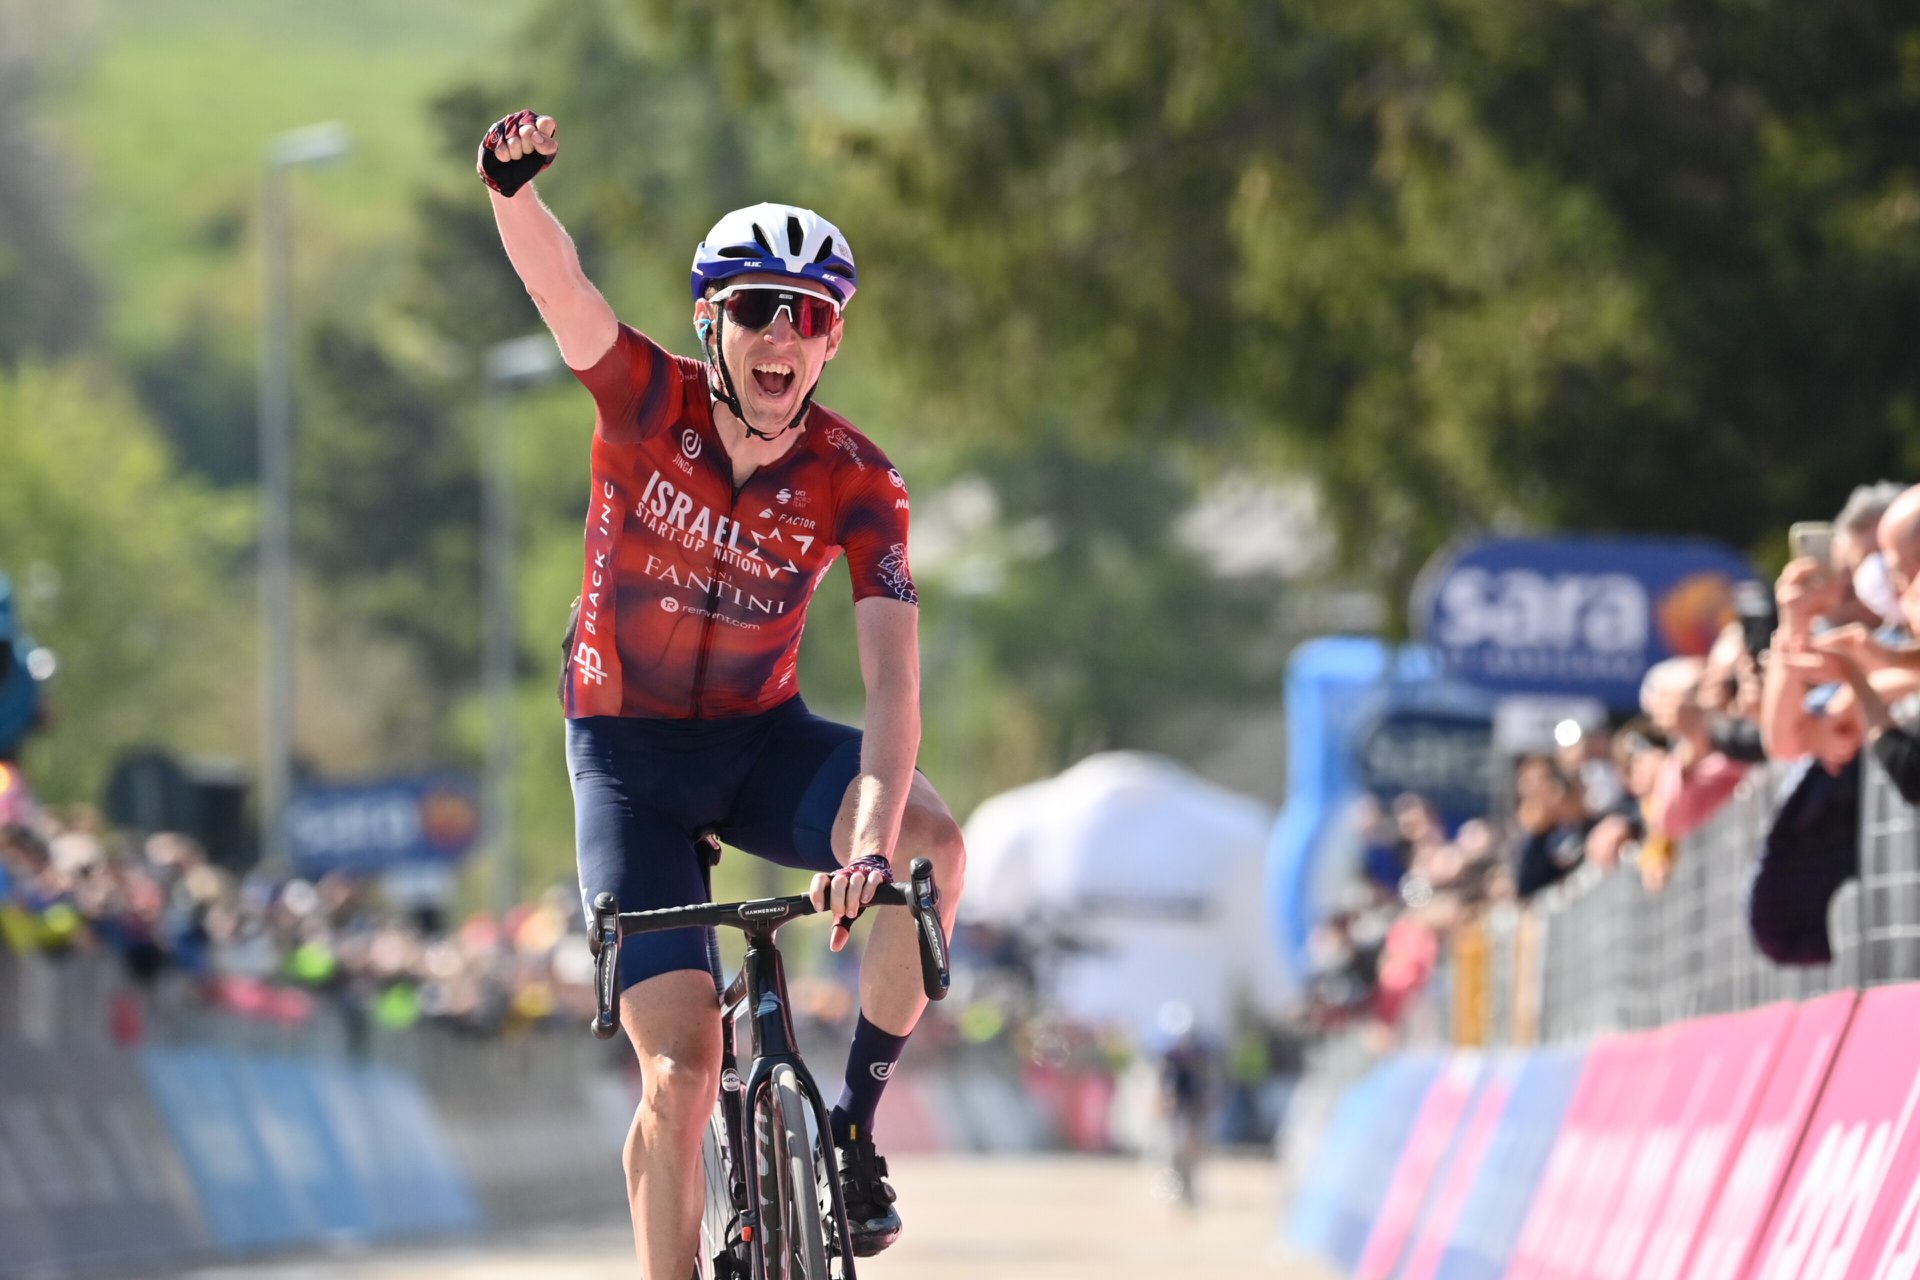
x=795, y=1249
x=716, y=1213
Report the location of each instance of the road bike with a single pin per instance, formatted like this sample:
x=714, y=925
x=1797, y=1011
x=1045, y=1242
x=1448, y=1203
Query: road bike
x=779, y=1215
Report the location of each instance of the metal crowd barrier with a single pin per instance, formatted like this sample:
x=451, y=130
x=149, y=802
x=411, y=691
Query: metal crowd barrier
x=1599, y=953
x=535, y=1118
x=1889, y=881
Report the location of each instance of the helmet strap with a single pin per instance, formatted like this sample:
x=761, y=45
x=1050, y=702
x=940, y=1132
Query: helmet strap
x=726, y=393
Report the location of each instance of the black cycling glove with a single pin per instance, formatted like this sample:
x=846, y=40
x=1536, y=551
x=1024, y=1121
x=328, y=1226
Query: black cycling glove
x=508, y=176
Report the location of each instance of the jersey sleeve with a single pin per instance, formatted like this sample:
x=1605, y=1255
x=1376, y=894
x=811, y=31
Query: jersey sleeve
x=635, y=388
x=872, y=530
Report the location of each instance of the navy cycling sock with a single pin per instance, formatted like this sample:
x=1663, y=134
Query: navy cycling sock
x=869, y=1066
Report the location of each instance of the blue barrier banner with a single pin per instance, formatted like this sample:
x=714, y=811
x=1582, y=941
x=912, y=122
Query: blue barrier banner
x=438, y=1194
x=247, y=1204
x=1310, y=1224
x=395, y=1151
x=88, y=1179
x=1391, y=1126
x=300, y=1141
x=1354, y=1163
x=1495, y=1209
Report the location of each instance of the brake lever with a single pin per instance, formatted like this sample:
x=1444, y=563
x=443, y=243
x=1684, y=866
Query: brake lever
x=603, y=940
x=923, y=899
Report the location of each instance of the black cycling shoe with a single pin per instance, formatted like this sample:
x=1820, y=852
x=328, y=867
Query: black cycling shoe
x=872, y=1220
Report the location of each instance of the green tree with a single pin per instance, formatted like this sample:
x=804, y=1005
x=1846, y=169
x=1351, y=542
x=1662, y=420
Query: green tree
x=127, y=571
x=48, y=298
x=387, y=505
x=1588, y=264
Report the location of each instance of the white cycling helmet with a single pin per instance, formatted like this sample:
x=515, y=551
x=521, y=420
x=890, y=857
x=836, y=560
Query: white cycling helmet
x=782, y=238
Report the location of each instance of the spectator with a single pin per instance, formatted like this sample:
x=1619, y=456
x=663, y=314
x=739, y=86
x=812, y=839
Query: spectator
x=1805, y=592
x=1875, y=676
x=1696, y=778
x=1849, y=652
x=1638, y=754
x=1421, y=833
x=1587, y=754
x=21, y=709
x=1812, y=846
x=1858, y=559
x=1551, y=823
x=1730, y=690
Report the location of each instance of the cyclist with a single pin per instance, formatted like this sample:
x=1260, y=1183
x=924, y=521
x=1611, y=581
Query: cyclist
x=1186, y=1097
x=721, y=494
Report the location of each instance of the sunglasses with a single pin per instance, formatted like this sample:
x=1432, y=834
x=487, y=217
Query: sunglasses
x=753, y=306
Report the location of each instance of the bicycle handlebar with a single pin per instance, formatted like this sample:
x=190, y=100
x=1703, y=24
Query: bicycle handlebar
x=610, y=925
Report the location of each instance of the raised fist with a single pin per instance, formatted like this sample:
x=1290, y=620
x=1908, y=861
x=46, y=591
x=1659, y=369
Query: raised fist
x=516, y=149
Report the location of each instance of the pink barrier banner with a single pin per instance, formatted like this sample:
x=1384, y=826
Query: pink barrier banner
x=1426, y=1150
x=1672, y=1108
x=1428, y=1247
x=1842, y=1198
x=1895, y=1236
x=1617, y=1091
x=1593, y=1097
x=1564, y=1231
x=1751, y=1186
x=1709, y=1106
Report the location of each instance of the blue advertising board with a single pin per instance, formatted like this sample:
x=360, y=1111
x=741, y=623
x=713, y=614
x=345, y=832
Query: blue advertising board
x=301, y=1144
x=1328, y=1169
x=1444, y=757
x=246, y=1202
x=376, y=826
x=1576, y=616
x=1340, y=691
x=1355, y=1160
x=1495, y=1209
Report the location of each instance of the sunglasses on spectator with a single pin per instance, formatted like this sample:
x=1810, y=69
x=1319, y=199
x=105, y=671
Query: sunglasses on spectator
x=753, y=306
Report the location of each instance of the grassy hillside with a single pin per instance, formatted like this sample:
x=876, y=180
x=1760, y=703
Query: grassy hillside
x=171, y=111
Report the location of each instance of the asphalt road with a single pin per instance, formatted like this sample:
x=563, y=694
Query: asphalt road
x=1054, y=1218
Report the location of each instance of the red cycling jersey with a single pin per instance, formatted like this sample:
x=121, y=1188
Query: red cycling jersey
x=695, y=592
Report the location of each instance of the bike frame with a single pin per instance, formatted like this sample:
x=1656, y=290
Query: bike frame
x=758, y=994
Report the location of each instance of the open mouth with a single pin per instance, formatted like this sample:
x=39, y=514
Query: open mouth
x=773, y=377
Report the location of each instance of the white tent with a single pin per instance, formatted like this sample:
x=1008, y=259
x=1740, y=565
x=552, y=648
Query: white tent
x=1158, y=873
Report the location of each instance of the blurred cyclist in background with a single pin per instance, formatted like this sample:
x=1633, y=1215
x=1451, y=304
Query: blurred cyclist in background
x=1186, y=1098
x=721, y=493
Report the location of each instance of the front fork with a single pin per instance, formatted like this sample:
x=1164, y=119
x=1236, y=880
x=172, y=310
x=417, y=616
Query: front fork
x=774, y=1046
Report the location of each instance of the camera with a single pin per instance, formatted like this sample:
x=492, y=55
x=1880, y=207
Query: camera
x=1754, y=604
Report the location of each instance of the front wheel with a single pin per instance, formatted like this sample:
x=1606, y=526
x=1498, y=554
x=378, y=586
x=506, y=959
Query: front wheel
x=793, y=1232
x=717, y=1214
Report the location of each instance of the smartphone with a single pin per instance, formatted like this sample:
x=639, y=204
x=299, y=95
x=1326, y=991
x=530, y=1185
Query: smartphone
x=1812, y=538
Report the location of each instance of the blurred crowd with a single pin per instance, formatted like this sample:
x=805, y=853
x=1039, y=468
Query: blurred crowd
x=1801, y=683
x=192, y=934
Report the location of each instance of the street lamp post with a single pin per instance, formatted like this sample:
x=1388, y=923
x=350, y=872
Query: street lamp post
x=517, y=362
x=315, y=144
